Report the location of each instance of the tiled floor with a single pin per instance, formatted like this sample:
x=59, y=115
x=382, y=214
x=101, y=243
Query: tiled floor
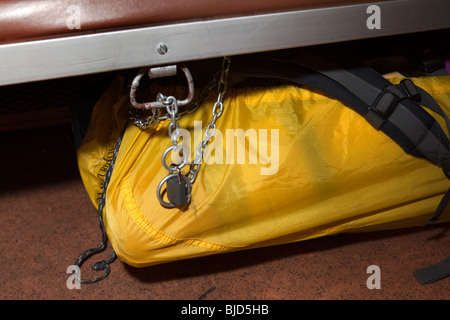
x=47, y=220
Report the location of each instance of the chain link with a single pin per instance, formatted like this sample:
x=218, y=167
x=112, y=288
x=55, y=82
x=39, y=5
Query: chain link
x=217, y=111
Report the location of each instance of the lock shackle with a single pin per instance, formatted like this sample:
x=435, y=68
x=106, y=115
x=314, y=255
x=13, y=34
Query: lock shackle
x=161, y=184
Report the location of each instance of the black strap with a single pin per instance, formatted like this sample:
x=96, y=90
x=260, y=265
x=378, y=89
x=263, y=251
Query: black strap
x=440, y=209
x=398, y=105
x=394, y=109
x=433, y=273
x=104, y=264
x=385, y=103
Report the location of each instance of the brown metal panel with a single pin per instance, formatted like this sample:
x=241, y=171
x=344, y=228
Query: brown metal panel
x=26, y=19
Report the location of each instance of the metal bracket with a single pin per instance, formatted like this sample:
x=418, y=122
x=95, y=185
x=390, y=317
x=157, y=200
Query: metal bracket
x=160, y=72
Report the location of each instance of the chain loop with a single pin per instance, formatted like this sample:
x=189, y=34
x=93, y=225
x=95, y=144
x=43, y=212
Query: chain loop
x=174, y=167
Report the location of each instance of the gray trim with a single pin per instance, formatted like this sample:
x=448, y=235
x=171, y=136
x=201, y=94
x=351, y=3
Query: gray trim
x=125, y=49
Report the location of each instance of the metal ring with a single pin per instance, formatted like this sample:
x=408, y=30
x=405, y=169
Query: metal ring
x=171, y=102
x=163, y=181
x=179, y=166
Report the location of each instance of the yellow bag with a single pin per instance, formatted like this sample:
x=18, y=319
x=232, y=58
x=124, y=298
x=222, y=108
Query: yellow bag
x=312, y=168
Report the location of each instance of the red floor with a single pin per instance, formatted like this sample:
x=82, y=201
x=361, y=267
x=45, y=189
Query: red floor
x=47, y=220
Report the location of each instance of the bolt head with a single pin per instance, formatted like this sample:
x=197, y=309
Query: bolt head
x=162, y=48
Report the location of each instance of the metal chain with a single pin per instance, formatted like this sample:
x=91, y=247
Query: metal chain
x=174, y=134
x=211, y=127
x=143, y=118
x=173, y=115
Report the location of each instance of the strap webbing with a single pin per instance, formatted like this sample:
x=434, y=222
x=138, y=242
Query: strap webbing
x=363, y=90
x=393, y=109
x=433, y=273
x=406, y=115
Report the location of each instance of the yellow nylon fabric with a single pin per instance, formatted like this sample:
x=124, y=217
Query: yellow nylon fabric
x=312, y=167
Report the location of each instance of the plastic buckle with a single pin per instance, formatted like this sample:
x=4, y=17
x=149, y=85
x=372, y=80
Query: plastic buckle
x=382, y=108
x=433, y=65
x=388, y=99
x=410, y=89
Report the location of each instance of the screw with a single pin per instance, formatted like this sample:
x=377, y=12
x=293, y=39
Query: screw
x=162, y=48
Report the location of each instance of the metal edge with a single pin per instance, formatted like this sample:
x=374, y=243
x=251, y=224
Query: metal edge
x=173, y=43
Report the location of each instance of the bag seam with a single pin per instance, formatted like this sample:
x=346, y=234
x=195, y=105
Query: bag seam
x=147, y=227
